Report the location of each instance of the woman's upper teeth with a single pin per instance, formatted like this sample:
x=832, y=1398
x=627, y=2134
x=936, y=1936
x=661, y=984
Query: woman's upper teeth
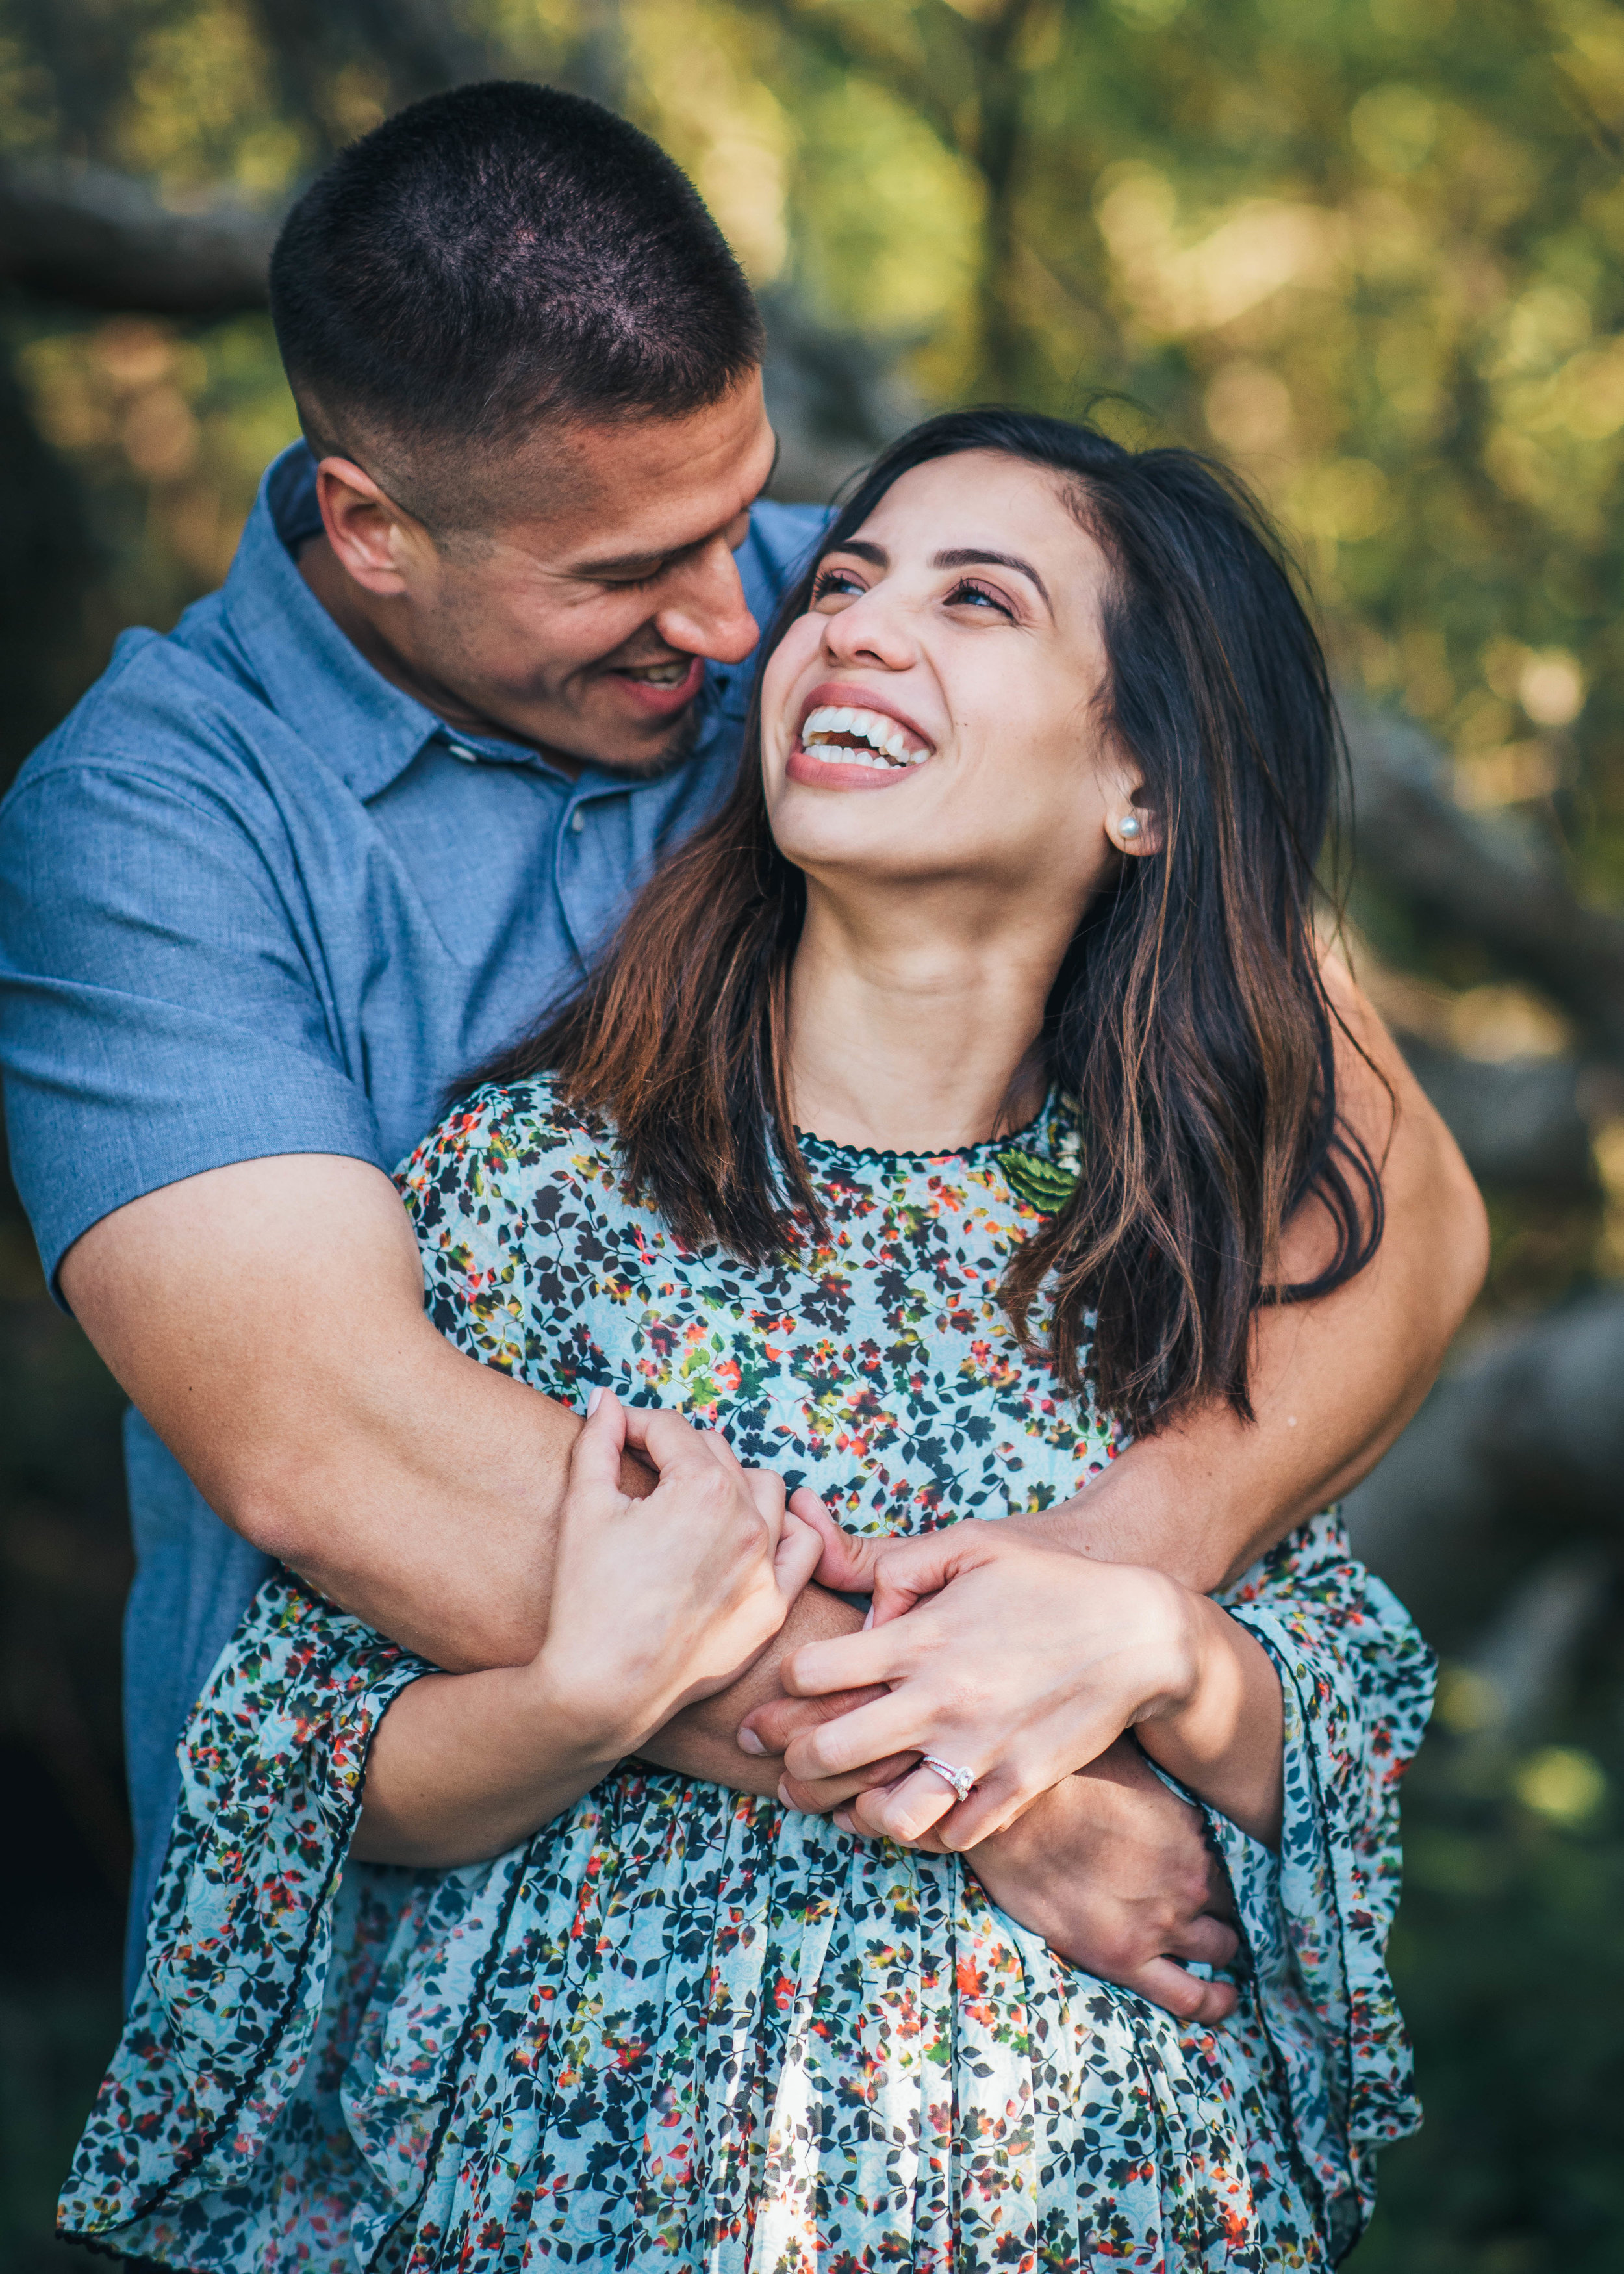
x=850, y=729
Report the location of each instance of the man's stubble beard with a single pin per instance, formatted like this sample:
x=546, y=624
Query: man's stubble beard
x=676, y=750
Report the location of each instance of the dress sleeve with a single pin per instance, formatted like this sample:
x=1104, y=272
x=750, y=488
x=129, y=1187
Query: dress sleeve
x=508, y=1199
x=229, y=2001
x=1356, y=1685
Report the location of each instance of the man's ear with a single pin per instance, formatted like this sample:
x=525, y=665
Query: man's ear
x=369, y=532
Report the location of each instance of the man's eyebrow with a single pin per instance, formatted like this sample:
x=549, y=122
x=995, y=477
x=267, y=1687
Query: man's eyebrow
x=973, y=556
x=631, y=563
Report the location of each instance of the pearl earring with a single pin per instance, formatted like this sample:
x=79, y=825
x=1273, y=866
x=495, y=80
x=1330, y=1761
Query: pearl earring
x=1129, y=826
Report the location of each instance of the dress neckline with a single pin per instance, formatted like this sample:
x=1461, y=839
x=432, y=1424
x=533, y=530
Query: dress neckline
x=1038, y=1129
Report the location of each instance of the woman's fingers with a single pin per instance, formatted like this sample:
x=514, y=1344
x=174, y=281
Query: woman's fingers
x=595, y=1458
x=667, y=1441
x=906, y=1570
x=848, y=1560
x=830, y=1793
x=852, y=1661
x=903, y=1811
x=869, y=1732
x=771, y=1728
x=795, y=1555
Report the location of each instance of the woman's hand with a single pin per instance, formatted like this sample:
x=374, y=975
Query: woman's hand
x=1022, y=1661
x=655, y=1602
x=662, y=1600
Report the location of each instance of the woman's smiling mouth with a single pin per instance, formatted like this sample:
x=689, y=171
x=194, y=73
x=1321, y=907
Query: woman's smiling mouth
x=861, y=737
x=853, y=744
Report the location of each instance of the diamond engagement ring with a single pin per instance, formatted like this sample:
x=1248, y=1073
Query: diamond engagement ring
x=961, y=1780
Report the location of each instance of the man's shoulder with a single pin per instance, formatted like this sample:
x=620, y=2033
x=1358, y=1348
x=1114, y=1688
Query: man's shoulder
x=169, y=704
x=783, y=538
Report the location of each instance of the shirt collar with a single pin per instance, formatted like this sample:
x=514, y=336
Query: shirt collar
x=316, y=679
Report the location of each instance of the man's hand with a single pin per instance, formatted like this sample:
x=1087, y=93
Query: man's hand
x=1113, y=1871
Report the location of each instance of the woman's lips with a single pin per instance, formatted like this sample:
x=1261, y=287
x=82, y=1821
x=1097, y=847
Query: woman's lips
x=819, y=773
x=849, y=740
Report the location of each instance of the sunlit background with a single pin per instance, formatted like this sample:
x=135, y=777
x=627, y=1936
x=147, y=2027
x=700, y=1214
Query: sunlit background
x=1371, y=250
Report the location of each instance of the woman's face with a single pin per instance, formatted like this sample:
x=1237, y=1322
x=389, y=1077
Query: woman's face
x=933, y=717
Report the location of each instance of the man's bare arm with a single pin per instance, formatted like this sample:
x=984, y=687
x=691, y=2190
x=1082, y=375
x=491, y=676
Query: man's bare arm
x=268, y=1318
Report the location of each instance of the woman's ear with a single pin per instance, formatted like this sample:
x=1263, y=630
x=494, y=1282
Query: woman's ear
x=1129, y=822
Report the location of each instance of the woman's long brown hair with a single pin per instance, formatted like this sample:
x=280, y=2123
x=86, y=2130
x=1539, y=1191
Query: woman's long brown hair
x=1189, y=1020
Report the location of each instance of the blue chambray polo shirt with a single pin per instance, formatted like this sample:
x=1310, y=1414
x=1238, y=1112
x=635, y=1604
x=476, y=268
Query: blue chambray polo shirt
x=253, y=900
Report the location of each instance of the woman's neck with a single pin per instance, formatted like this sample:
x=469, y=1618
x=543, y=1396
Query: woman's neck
x=913, y=1030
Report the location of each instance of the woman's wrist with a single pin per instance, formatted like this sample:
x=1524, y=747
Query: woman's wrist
x=1218, y=1725
x=571, y=1715
x=1170, y=1650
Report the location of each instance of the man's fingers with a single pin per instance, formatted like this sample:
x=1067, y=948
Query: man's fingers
x=1211, y=1940
x=1185, y=1996
x=781, y=1718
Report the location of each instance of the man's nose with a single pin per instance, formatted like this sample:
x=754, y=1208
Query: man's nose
x=705, y=614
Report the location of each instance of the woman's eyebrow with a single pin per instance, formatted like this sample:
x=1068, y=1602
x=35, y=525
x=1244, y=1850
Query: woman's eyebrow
x=972, y=556
x=875, y=555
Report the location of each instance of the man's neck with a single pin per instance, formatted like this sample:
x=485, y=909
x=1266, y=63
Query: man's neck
x=346, y=603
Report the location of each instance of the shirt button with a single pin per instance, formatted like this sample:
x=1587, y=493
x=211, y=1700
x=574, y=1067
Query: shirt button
x=460, y=750
x=577, y=819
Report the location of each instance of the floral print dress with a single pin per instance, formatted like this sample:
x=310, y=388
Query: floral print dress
x=679, y=2028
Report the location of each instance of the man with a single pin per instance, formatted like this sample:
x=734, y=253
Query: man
x=284, y=875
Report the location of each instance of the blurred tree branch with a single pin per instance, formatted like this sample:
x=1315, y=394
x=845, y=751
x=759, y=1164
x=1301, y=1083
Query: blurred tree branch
x=98, y=239
x=1481, y=879
x=1529, y=1437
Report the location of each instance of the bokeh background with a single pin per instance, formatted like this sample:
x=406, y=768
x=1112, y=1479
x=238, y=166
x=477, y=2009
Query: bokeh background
x=1373, y=251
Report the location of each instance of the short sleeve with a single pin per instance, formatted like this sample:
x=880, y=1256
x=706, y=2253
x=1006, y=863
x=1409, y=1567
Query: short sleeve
x=160, y=1014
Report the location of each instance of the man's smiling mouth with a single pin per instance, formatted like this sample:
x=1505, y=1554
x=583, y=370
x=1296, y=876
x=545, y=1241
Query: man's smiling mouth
x=845, y=737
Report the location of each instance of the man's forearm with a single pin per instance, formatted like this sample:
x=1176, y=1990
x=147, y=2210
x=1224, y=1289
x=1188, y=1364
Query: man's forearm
x=1332, y=1381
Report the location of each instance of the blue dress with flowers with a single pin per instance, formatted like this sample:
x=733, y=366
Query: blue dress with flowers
x=679, y=2028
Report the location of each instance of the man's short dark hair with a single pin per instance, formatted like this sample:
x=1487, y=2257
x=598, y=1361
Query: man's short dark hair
x=491, y=257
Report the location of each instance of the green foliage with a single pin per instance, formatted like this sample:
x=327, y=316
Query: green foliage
x=1509, y=1957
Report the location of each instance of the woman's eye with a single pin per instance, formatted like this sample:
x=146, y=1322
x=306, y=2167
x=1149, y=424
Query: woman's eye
x=839, y=582
x=966, y=594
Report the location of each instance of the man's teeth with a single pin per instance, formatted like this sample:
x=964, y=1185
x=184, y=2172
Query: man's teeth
x=849, y=731
x=657, y=674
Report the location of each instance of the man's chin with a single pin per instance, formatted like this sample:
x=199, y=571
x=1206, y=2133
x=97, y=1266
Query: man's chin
x=674, y=748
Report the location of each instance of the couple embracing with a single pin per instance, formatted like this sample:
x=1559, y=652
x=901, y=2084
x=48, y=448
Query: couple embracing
x=799, y=1712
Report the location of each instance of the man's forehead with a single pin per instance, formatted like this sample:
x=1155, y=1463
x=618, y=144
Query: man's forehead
x=610, y=497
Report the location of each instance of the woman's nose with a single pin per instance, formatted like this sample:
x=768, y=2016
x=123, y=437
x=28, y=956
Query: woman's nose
x=871, y=628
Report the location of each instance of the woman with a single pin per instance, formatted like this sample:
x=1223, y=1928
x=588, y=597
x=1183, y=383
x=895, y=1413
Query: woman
x=933, y=1123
